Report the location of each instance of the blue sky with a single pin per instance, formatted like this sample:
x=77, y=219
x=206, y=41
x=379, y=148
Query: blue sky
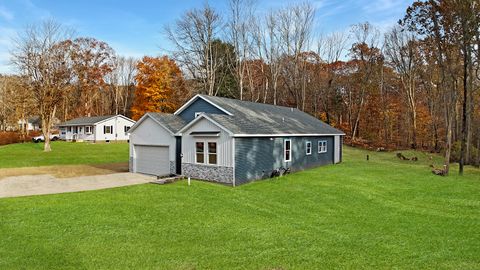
x=134, y=28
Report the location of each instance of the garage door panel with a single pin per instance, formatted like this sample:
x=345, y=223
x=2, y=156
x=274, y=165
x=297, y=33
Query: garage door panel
x=152, y=160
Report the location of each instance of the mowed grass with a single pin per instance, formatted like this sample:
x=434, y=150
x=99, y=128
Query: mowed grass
x=384, y=213
x=32, y=155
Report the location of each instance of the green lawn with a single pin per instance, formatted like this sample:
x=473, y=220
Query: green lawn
x=384, y=213
x=31, y=154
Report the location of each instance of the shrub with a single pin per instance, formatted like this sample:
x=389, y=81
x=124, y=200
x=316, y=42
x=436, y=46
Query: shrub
x=9, y=137
x=455, y=154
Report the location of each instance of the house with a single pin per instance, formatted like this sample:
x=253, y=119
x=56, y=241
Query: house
x=98, y=128
x=231, y=141
x=33, y=123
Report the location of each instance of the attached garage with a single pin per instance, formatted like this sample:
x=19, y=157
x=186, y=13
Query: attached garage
x=152, y=159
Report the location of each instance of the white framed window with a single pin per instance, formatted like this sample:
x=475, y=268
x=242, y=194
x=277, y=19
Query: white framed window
x=200, y=152
x=212, y=153
x=308, y=148
x=322, y=146
x=126, y=128
x=88, y=129
x=287, y=150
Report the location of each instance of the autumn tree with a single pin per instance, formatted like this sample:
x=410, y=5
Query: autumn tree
x=160, y=86
x=451, y=27
x=43, y=59
x=92, y=61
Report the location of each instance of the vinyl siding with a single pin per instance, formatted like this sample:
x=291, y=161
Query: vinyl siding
x=224, y=143
x=256, y=158
x=151, y=133
x=198, y=105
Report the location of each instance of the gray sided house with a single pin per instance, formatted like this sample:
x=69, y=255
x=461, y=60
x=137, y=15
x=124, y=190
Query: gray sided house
x=231, y=141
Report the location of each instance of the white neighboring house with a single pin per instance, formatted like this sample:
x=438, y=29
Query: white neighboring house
x=33, y=123
x=98, y=128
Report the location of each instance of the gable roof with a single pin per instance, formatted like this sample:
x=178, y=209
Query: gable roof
x=90, y=120
x=204, y=97
x=170, y=122
x=251, y=118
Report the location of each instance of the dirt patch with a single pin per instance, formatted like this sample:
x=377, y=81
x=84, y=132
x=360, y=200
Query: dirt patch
x=66, y=171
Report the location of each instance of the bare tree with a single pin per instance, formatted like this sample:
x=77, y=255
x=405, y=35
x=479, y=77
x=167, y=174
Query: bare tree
x=43, y=58
x=295, y=28
x=365, y=52
x=122, y=84
x=401, y=51
x=329, y=48
x=241, y=34
x=193, y=36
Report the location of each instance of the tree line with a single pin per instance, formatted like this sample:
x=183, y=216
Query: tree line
x=412, y=86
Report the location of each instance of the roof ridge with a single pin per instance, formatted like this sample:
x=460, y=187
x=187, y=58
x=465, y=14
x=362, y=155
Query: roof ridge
x=248, y=101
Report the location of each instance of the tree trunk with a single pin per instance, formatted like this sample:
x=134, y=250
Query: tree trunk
x=47, y=119
x=449, y=144
x=464, y=112
x=478, y=148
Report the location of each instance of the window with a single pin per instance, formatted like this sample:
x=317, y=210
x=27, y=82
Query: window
x=88, y=129
x=126, y=128
x=322, y=146
x=212, y=153
x=69, y=129
x=308, y=146
x=107, y=129
x=75, y=129
x=287, y=150
x=199, y=152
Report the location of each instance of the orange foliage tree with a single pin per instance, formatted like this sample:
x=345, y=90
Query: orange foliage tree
x=160, y=86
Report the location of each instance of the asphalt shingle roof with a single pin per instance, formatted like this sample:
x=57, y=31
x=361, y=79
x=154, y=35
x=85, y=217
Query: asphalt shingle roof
x=173, y=122
x=258, y=118
x=85, y=120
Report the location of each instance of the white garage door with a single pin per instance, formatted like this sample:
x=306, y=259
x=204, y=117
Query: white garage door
x=152, y=160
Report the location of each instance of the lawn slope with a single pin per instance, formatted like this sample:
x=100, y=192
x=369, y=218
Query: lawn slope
x=382, y=213
x=31, y=154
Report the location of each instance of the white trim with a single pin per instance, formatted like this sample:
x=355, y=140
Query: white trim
x=306, y=148
x=233, y=161
x=145, y=116
x=181, y=109
x=320, y=151
x=95, y=123
x=285, y=150
x=285, y=135
x=118, y=115
x=204, y=161
x=201, y=116
x=208, y=153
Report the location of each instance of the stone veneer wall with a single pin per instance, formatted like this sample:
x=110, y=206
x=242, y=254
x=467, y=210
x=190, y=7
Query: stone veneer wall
x=206, y=172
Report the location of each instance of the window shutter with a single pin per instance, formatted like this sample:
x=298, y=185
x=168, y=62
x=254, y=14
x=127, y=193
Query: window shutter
x=111, y=129
x=104, y=129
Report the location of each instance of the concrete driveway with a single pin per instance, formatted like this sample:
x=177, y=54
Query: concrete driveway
x=27, y=185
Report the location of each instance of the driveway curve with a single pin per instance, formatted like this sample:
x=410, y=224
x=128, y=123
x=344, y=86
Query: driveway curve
x=27, y=185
